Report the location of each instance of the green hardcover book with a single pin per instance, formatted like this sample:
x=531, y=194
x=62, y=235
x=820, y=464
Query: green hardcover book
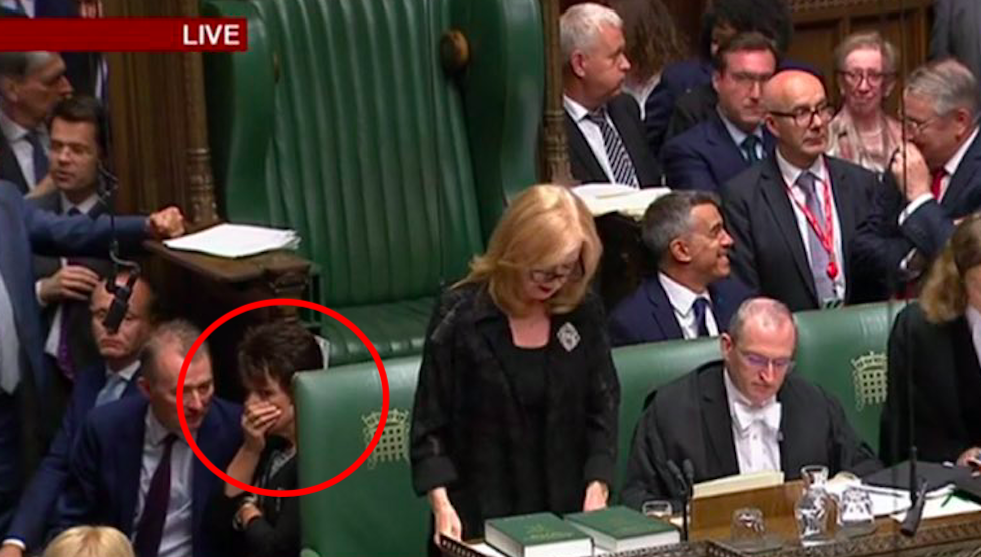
x=621, y=529
x=536, y=535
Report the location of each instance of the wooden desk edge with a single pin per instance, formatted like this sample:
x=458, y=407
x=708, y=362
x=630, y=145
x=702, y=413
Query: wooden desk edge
x=231, y=271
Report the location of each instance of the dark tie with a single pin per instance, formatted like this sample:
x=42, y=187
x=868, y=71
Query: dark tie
x=64, y=356
x=150, y=530
x=701, y=307
x=819, y=256
x=748, y=147
x=620, y=163
x=937, y=182
x=39, y=155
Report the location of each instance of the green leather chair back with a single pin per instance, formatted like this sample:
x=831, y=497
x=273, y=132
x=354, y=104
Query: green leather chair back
x=340, y=122
x=844, y=351
x=374, y=510
x=643, y=368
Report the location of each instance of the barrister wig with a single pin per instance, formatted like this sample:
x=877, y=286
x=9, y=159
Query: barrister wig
x=539, y=230
x=944, y=296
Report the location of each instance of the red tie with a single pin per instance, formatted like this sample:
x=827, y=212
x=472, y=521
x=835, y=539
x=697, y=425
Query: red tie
x=938, y=180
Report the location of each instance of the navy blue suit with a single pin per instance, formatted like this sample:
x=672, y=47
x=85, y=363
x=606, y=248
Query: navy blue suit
x=646, y=315
x=106, y=460
x=24, y=228
x=881, y=244
x=705, y=157
x=677, y=79
x=39, y=500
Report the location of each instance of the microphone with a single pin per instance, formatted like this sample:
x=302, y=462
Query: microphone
x=685, y=494
x=120, y=300
x=913, y=516
x=108, y=184
x=689, y=470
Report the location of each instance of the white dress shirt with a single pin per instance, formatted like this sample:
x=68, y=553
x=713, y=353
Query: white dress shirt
x=594, y=136
x=682, y=301
x=178, y=527
x=755, y=430
x=790, y=174
x=17, y=139
x=738, y=135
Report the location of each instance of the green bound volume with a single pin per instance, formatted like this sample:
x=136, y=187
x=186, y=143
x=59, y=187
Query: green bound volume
x=536, y=535
x=622, y=529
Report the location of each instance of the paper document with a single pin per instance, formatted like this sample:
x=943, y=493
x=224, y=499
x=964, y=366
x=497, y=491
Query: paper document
x=236, y=240
x=613, y=198
x=886, y=500
x=947, y=505
x=737, y=483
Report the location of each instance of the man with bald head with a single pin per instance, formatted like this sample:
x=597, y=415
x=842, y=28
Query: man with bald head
x=793, y=216
x=915, y=210
x=746, y=413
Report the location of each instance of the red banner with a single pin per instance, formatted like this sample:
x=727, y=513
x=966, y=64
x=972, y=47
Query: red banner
x=124, y=34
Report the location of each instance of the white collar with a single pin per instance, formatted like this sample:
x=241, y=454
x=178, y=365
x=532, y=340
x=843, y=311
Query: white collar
x=126, y=373
x=11, y=130
x=156, y=432
x=738, y=135
x=955, y=161
x=576, y=110
x=791, y=172
x=681, y=297
x=744, y=413
x=84, y=207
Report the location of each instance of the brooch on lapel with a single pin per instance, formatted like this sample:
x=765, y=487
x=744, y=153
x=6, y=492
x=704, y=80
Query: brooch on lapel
x=568, y=337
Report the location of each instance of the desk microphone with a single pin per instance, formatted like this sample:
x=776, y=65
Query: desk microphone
x=108, y=184
x=685, y=494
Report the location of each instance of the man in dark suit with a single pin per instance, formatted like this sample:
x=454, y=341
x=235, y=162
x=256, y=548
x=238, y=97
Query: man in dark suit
x=914, y=211
x=747, y=413
x=692, y=295
x=794, y=215
x=132, y=467
x=24, y=378
x=606, y=142
x=63, y=285
x=734, y=138
x=31, y=84
x=113, y=377
x=957, y=33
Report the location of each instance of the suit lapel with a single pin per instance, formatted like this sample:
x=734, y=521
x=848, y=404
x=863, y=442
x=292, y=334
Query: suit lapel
x=579, y=148
x=730, y=154
x=963, y=177
x=718, y=423
x=10, y=166
x=663, y=312
x=721, y=306
x=634, y=148
x=793, y=430
x=775, y=194
x=843, y=191
x=131, y=439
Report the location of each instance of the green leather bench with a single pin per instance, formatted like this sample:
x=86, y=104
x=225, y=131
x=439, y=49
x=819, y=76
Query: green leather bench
x=374, y=511
x=341, y=123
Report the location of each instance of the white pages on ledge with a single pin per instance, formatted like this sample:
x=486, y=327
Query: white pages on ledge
x=236, y=240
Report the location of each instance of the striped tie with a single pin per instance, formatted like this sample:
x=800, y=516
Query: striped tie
x=620, y=163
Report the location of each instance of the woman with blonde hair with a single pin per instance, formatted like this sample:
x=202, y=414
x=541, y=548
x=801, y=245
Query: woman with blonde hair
x=862, y=132
x=517, y=398
x=938, y=341
x=89, y=541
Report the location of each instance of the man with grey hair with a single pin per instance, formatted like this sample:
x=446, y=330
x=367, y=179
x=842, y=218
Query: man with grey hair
x=606, y=138
x=935, y=178
x=746, y=413
x=31, y=84
x=691, y=295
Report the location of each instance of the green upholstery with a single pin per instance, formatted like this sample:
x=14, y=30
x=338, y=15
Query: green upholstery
x=844, y=351
x=641, y=369
x=341, y=123
x=374, y=510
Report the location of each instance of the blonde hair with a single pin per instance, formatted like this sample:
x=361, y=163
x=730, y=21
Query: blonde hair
x=539, y=228
x=89, y=541
x=944, y=297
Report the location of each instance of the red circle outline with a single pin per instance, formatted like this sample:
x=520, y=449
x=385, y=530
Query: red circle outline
x=285, y=492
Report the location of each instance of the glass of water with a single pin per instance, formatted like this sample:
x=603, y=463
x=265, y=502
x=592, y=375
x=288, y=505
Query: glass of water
x=657, y=509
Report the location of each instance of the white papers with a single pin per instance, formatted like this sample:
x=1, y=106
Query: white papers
x=886, y=500
x=947, y=505
x=613, y=198
x=485, y=549
x=236, y=240
x=737, y=483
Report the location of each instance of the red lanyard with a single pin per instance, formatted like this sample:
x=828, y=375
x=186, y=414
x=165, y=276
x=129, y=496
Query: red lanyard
x=825, y=235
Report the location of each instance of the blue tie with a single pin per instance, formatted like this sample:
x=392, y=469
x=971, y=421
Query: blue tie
x=701, y=307
x=39, y=155
x=749, y=149
x=113, y=389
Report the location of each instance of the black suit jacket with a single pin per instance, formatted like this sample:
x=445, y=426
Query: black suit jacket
x=646, y=315
x=769, y=254
x=10, y=168
x=689, y=419
x=946, y=382
x=625, y=114
x=881, y=244
x=81, y=344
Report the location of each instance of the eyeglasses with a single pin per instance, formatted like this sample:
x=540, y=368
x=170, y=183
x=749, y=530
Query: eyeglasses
x=759, y=362
x=916, y=127
x=804, y=116
x=573, y=273
x=854, y=78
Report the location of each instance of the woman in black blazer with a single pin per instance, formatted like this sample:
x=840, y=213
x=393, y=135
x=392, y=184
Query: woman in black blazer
x=254, y=525
x=516, y=404
x=938, y=341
